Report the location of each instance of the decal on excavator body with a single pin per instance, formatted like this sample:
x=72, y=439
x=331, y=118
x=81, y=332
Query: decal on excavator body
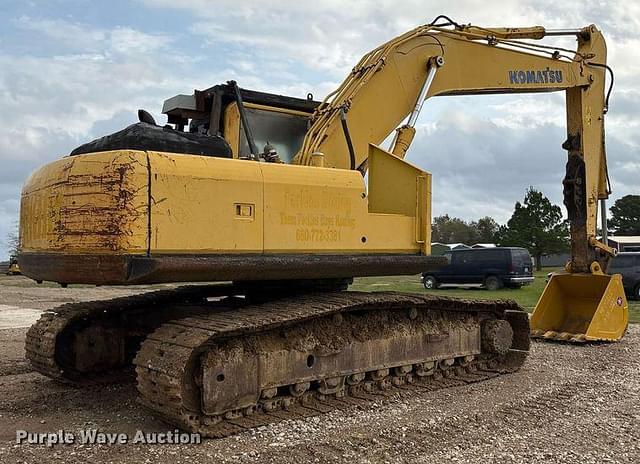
x=545, y=76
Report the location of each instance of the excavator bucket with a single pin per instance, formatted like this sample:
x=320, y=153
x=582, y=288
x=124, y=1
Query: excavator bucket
x=581, y=308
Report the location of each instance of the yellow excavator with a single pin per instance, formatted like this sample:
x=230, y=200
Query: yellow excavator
x=13, y=268
x=267, y=195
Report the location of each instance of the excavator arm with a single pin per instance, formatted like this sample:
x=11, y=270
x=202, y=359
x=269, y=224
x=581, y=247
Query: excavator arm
x=390, y=84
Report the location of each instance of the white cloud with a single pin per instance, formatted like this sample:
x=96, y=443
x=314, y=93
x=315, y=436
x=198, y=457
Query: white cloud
x=328, y=36
x=78, y=36
x=527, y=111
x=482, y=168
x=129, y=41
x=65, y=32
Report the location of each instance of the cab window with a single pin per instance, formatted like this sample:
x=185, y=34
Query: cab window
x=284, y=131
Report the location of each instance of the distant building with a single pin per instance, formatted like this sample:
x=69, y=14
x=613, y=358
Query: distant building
x=438, y=248
x=555, y=260
x=629, y=243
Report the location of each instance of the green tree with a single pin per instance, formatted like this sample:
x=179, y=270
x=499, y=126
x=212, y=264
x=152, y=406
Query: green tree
x=446, y=229
x=625, y=215
x=486, y=230
x=537, y=225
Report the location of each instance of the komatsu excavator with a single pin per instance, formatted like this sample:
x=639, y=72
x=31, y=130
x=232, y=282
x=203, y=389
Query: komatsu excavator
x=267, y=195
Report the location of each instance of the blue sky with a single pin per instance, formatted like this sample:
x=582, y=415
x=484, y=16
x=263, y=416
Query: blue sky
x=74, y=70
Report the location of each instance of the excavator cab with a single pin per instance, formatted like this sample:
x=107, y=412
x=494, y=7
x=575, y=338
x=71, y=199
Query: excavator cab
x=253, y=123
x=581, y=308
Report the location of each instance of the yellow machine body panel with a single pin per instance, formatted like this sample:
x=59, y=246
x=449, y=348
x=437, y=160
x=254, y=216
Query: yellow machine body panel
x=96, y=202
x=205, y=205
x=581, y=307
x=161, y=203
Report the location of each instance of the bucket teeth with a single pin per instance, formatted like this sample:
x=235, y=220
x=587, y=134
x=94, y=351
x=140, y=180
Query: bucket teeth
x=578, y=338
x=559, y=336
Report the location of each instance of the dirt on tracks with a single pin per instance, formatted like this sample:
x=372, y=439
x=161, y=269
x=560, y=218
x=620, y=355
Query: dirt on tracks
x=568, y=404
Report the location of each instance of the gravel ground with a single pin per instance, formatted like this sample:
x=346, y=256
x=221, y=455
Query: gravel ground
x=568, y=404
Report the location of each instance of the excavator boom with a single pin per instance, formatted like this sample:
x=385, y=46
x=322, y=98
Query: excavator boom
x=431, y=61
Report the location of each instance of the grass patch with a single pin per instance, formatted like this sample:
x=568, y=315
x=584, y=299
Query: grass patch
x=526, y=296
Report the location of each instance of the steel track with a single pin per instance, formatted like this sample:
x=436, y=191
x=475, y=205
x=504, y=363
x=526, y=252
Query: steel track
x=180, y=325
x=46, y=342
x=169, y=370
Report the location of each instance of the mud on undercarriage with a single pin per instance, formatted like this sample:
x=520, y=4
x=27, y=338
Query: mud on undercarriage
x=220, y=367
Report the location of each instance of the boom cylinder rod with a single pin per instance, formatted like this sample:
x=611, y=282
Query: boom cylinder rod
x=433, y=67
x=603, y=221
x=555, y=32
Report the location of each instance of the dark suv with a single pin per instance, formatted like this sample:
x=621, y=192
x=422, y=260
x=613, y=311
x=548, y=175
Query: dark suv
x=627, y=264
x=491, y=267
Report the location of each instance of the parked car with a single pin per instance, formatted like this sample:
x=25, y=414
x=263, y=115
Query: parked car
x=628, y=265
x=491, y=267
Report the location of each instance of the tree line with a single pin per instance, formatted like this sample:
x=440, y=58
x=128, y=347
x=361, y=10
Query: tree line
x=536, y=224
